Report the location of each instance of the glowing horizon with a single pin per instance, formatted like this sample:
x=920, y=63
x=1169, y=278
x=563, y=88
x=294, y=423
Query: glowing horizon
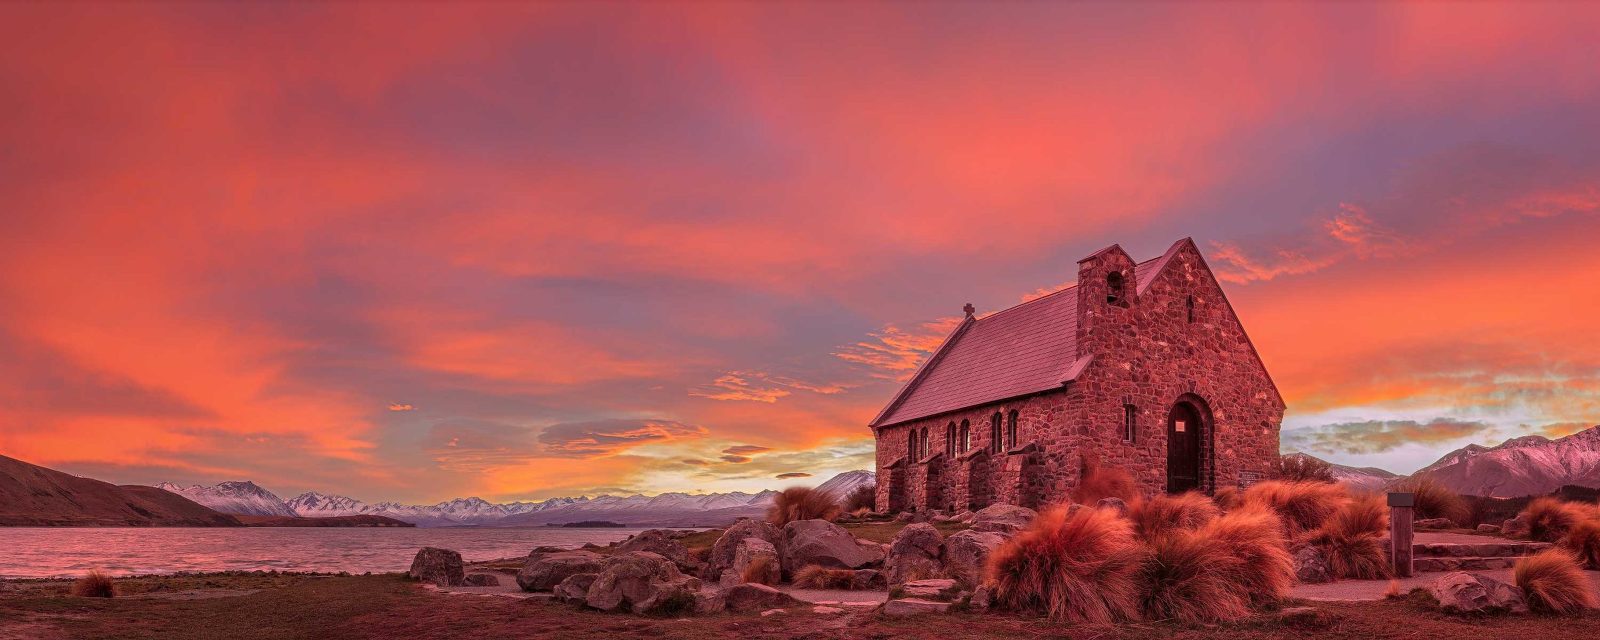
x=423, y=252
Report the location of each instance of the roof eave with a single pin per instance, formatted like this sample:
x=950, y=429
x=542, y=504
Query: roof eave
x=922, y=371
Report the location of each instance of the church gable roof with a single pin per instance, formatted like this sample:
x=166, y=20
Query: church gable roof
x=1026, y=349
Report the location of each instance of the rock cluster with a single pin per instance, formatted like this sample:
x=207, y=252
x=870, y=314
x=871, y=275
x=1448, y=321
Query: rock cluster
x=1463, y=592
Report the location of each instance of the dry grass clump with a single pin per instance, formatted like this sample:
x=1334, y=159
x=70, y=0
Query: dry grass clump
x=1096, y=482
x=94, y=585
x=1583, y=540
x=1300, y=467
x=1553, y=582
x=1352, y=539
x=1303, y=506
x=1550, y=518
x=1166, y=514
x=816, y=577
x=862, y=500
x=1228, y=498
x=1434, y=500
x=759, y=570
x=1082, y=567
x=1215, y=573
x=802, y=503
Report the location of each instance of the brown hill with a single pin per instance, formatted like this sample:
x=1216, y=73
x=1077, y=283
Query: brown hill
x=33, y=496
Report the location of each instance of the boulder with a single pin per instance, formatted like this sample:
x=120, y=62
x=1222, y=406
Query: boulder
x=1434, y=523
x=1517, y=527
x=642, y=582
x=482, y=580
x=1488, y=528
x=964, y=517
x=869, y=580
x=941, y=589
x=1463, y=592
x=441, y=567
x=575, y=588
x=745, y=598
x=1311, y=565
x=982, y=598
x=1003, y=518
x=754, y=555
x=913, y=606
x=660, y=542
x=1115, y=504
x=826, y=610
x=722, y=553
x=825, y=544
x=966, y=552
x=709, y=601
x=914, y=554
x=544, y=571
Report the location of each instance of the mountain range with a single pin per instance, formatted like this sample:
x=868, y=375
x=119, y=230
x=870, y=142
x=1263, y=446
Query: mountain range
x=1529, y=465
x=1358, y=478
x=673, y=509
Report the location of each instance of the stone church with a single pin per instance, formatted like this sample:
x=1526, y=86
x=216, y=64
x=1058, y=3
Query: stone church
x=1139, y=366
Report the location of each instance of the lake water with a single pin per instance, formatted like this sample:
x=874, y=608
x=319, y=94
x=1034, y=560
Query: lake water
x=43, y=552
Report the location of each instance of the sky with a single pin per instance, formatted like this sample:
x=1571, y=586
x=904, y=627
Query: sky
x=415, y=252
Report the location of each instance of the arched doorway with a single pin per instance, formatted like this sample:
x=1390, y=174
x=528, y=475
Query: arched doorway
x=1184, y=427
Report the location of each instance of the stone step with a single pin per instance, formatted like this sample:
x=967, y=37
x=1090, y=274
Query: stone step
x=1434, y=564
x=1477, y=550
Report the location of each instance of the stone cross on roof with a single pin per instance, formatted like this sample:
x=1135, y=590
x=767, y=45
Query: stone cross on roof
x=969, y=309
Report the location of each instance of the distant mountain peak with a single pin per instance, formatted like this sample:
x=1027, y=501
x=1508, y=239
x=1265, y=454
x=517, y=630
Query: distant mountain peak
x=1522, y=466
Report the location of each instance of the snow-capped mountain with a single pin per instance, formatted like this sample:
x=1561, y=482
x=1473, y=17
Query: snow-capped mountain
x=1529, y=465
x=1357, y=478
x=238, y=498
x=844, y=484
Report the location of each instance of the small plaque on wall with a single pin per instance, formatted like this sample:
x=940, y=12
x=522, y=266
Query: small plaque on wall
x=1247, y=478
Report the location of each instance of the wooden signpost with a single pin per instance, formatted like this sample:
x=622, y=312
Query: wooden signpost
x=1400, y=532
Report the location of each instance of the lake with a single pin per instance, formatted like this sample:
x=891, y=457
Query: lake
x=44, y=552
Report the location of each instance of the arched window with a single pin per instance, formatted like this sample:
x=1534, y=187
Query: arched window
x=950, y=441
x=911, y=444
x=1113, y=287
x=1188, y=304
x=965, y=443
x=994, y=433
x=926, y=442
x=1011, y=430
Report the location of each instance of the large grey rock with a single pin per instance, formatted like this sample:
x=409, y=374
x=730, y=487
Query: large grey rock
x=913, y=606
x=1003, y=518
x=575, y=588
x=825, y=544
x=722, y=553
x=441, y=567
x=709, y=601
x=966, y=553
x=868, y=580
x=1311, y=565
x=482, y=580
x=1518, y=527
x=1464, y=592
x=659, y=542
x=914, y=554
x=642, y=582
x=982, y=599
x=748, y=597
x=1114, y=504
x=543, y=571
x=941, y=589
x=754, y=560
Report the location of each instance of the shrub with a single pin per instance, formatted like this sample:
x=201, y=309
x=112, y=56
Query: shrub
x=1549, y=519
x=1082, y=567
x=759, y=570
x=1553, y=582
x=1434, y=500
x=1303, y=506
x=814, y=577
x=94, y=585
x=1228, y=498
x=863, y=499
x=1166, y=514
x=1583, y=540
x=802, y=503
x=1096, y=482
x=1352, y=539
x=1299, y=467
x=1217, y=572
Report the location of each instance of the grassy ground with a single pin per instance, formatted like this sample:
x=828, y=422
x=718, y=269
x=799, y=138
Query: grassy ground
x=387, y=606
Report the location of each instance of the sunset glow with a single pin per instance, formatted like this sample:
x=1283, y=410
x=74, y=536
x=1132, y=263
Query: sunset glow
x=420, y=252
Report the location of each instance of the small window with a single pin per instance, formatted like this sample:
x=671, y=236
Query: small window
x=950, y=440
x=994, y=433
x=965, y=443
x=1113, y=287
x=1130, y=427
x=1011, y=431
x=926, y=443
x=1188, y=304
x=911, y=444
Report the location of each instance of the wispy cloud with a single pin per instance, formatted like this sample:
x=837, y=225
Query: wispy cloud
x=893, y=352
x=1379, y=436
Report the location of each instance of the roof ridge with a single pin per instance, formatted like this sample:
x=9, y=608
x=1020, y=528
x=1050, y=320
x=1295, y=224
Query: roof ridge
x=1025, y=303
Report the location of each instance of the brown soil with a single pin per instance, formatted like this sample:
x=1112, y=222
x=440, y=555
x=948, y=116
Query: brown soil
x=388, y=606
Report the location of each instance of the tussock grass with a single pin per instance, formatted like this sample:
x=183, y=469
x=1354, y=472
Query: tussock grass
x=94, y=585
x=1228, y=498
x=1082, y=567
x=1554, y=583
x=1583, y=540
x=1217, y=572
x=1352, y=539
x=862, y=500
x=1550, y=518
x=1434, y=500
x=1167, y=514
x=759, y=570
x=1096, y=482
x=1300, y=468
x=815, y=577
x=1302, y=506
x=802, y=503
